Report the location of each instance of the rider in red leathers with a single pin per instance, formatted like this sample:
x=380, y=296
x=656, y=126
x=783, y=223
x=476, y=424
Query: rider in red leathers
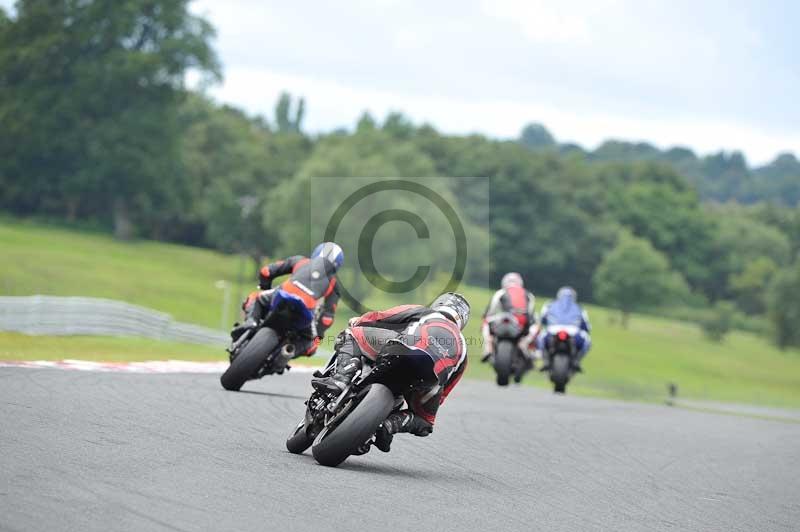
x=435, y=330
x=513, y=298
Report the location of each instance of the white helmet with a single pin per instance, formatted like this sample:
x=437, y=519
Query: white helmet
x=454, y=306
x=512, y=279
x=331, y=252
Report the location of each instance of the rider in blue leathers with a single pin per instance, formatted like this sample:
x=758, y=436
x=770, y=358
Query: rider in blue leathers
x=565, y=312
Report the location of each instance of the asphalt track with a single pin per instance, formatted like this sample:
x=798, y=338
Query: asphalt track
x=89, y=451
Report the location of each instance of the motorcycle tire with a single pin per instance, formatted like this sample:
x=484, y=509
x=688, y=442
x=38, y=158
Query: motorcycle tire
x=502, y=361
x=250, y=360
x=332, y=447
x=299, y=441
x=559, y=373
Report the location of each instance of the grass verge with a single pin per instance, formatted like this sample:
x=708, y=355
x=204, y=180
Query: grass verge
x=634, y=363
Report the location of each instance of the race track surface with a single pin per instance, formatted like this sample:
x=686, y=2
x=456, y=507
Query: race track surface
x=91, y=451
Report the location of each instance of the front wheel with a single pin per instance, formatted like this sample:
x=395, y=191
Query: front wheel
x=299, y=441
x=333, y=445
x=250, y=359
x=502, y=361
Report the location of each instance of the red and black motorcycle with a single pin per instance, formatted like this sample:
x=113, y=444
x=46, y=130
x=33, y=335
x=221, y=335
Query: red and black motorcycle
x=337, y=426
x=507, y=359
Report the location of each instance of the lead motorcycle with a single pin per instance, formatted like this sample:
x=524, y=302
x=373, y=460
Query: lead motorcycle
x=266, y=348
x=337, y=426
x=507, y=358
x=559, y=346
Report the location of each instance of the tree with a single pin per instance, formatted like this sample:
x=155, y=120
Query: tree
x=89, y=94
x=535, y=136
x=235, y=162
x=719, y=321
x=621, y=151
x=547, y=214
x=657, y=204
x=738, y=240
x=342, y=165
x=284, y=120
x=784, y=219
x=365, y=123
x=749, y=286
x=397, y=125
x=784, y=306
x=634, y=276
x=778, y=181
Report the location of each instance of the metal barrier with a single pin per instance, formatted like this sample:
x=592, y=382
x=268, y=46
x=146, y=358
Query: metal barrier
x=65, y=316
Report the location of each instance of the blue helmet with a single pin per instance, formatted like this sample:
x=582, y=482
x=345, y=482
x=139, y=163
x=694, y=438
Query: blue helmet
x=330, y=251
x=568, y=293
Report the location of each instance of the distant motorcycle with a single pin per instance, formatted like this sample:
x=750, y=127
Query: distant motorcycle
x=559, y=344
x=265, y=349
x=337, y=426
x=507, y=358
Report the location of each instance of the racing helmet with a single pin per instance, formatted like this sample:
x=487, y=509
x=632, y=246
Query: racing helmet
x=330, y=251
x=512, y=279
x=454, y=306
x=567, y=292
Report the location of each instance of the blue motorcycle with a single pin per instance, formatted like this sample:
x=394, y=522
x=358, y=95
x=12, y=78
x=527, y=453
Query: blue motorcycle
x=266, y=348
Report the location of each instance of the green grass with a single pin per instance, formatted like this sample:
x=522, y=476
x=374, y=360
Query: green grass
x=176, y=279
x=634, y=363
x=21, y=347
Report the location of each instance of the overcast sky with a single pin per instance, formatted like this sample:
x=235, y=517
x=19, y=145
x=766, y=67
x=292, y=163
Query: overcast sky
x=710, y=75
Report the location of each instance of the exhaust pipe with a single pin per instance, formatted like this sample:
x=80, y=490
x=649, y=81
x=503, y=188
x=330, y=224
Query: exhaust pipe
x=287, y=351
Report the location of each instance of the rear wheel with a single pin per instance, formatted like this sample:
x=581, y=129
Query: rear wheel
x=299, y=441
x=559, y=373
x=334, y=445
x=250, y=359
x=502, y=361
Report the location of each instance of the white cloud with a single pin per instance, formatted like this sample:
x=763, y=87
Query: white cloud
x=332, y=104
x=710, y=75
x=563, y=22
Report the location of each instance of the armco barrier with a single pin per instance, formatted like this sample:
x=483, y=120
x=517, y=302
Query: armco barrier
x=64, y=316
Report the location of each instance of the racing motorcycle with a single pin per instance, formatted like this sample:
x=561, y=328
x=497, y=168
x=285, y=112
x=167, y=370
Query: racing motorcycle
x=507, y=358
x=337, y=426
x=266, y=348
x=559, y=344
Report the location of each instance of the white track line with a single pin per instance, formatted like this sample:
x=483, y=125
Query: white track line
x=150, y=366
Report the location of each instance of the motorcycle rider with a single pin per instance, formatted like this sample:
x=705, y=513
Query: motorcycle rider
x=312, y=281
x=565, y=312
x=512, y=297
x=435, y=330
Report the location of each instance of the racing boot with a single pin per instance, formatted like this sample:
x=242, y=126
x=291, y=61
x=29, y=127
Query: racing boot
x=253, y=314
x=240, y=328
x=403, y=421
x=384, y=437
x=336, y=383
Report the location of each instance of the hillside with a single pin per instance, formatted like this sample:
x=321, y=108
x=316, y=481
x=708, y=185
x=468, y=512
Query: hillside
x=633, y=363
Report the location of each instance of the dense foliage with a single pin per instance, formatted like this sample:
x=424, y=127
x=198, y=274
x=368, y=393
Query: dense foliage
x=634, y=276
x=97, y=125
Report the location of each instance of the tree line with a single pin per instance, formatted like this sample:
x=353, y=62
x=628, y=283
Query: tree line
x=720, y=177
x=99, y=127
